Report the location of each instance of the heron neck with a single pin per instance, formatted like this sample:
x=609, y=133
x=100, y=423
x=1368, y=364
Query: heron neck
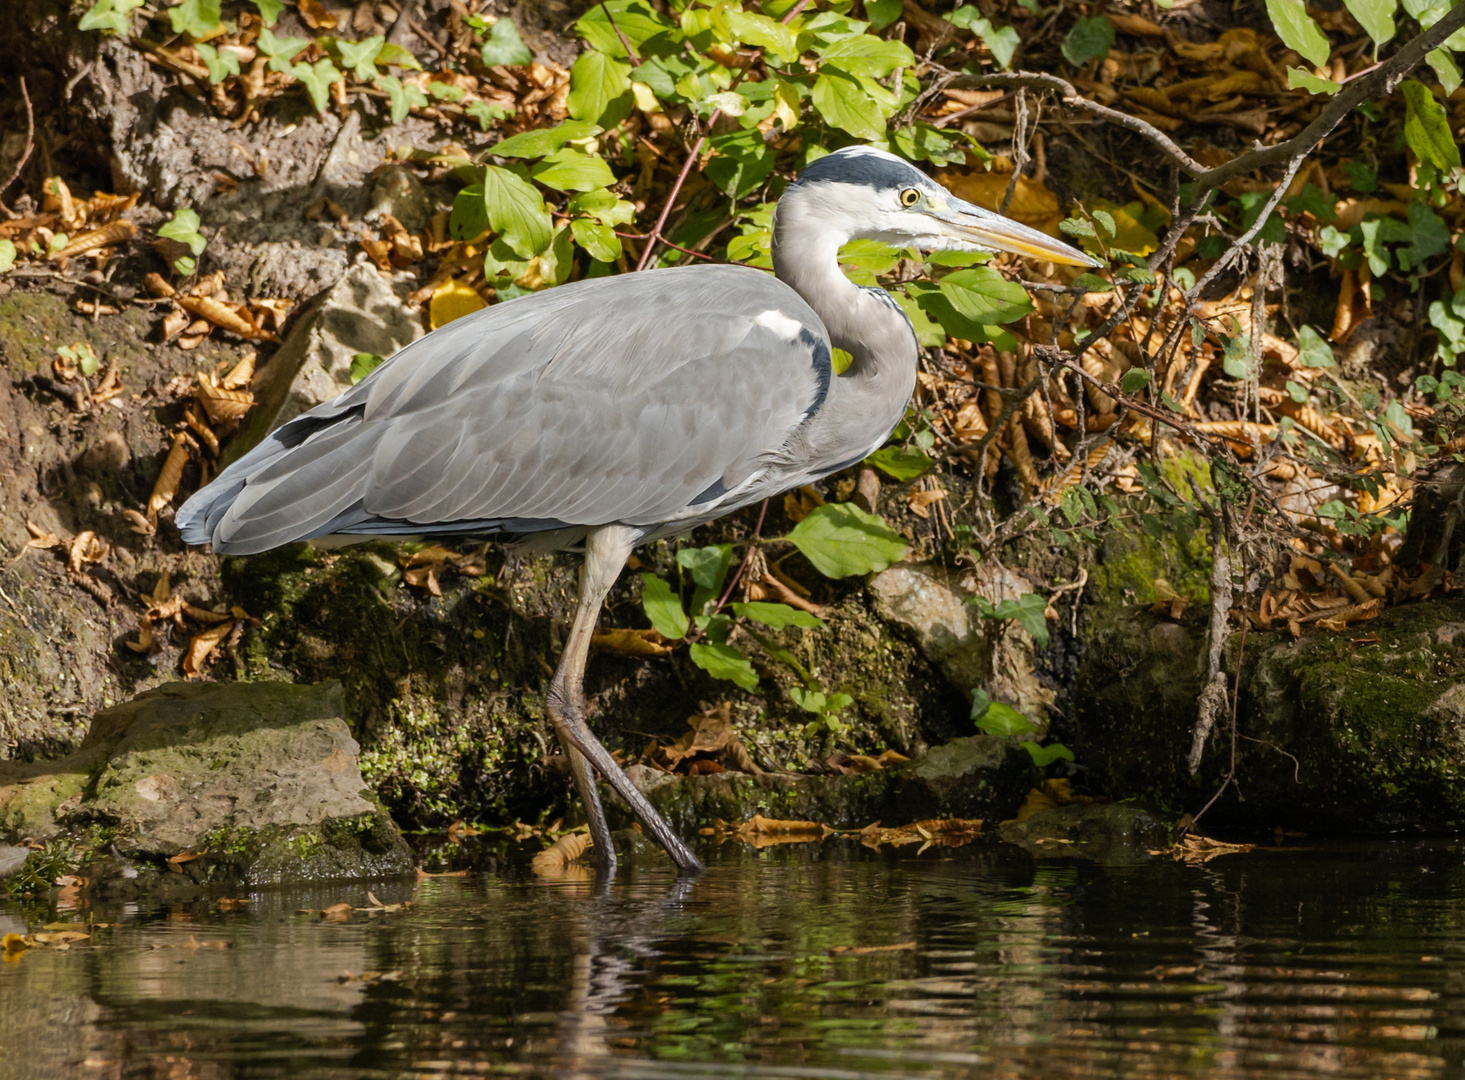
x=807, y=237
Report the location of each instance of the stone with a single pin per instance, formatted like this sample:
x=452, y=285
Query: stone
x=258, y=782
x=1334, y=734
x=360, y=314
x=398, y=192
x=1110, y=833
x=980, y=776
x=932, y=604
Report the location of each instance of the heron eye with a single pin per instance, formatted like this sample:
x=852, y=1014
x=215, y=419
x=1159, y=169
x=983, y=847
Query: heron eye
x=909, y=197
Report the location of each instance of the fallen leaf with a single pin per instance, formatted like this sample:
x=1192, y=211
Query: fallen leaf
x=169, y=477
x=202, y=646
x=452, y=300
x=630, y=643
x=555, y=860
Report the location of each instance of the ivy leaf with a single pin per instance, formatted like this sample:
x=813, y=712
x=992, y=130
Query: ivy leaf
x=571, y=170
x=317, y=79
x=485, y=112
x=1298, y=31
x=196, y=18
x=1001, y=42
x=1313, y=351
x=113, y=15
x=1134, y=380
x=183, y=227
x=1297, y=79
x=360, y=56
x=600, y=89
x=505, y=47
x=396, y=56
x=269, y=10
x=401, y=97
x=446, y=91
x=1029, y=610
x=516, y=211
x=1090, y=38
x=777, y=616
x=1375, y=16
x=363, y=364
x=900, y=463
x=724, y=662
x=281, y=51
x=1004, y=721
x=841, y=540
x=663, y=608
x=220, y=64
x=1236, y=358
x=843, y=103
x=533, y=144
x=599, y=240
x=707, y=565
x=1427, y=128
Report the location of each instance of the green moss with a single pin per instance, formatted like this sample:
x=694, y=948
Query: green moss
x=1131, y=560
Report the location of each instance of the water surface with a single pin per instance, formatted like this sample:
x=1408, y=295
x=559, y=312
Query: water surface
x=819, y=961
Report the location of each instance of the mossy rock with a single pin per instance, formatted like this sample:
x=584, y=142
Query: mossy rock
x=1333, y=734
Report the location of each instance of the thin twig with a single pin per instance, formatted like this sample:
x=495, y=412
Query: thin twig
x=625, y=41
x=30, y=134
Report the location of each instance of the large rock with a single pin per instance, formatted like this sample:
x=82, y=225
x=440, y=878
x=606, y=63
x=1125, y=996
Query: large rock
x=1334, y=733
x=360, y=314
x=1109, y=833
x=260, y=781
x=934, y=605
x=976, y=777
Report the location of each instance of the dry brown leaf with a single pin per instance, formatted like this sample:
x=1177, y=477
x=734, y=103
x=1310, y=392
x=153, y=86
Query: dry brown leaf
x=221, y=403
x=144, y=642
x=116, y=233
x=202, y=647
x=87, y=547
x=241, y=374
x=554, y=861
x=225, y=316
x=1202, y=849
x=170, y=476
x=630, y=643
x=40, y=538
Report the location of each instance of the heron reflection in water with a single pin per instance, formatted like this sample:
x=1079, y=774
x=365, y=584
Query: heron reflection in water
x=610, y=412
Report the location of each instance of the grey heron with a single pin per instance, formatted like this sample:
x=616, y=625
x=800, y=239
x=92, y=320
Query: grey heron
x=614, y=411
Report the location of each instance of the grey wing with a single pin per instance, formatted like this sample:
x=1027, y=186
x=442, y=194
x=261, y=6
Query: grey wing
x=640, y=399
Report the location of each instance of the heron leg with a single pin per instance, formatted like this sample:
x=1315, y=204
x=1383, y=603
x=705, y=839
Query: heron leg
x=606, y=552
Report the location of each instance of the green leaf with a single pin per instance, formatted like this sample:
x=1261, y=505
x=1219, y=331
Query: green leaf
x=604, y=206
x=707, y=565
x=1446, y=69
x=634, y=18
x=446, y=91
x=1361, y=176
x=186, y=265
x=922, y=142
x=929, y=332
x=516, y=211
x=1001, y=42
x=777, y=616
x=571, y=170
x=1297, y=79
x=363, y=364
x=1043, y=756
x=486, y=113
x=396, y=56
x=1375, y=16
x=985, y=296
x=505, y=47
x=1236, y=357
x=280, y=50
x=195, y=17
x=1134, y=380
x=1029, y=610
x=7, y=255
x=317, y=79
x=1091, y=283
x=1297, y=30
x=868, y=55
x=1313, y=350
x=220, y=64
x=533, y=144
x=113, y=15
x=1004, y=721
x=600, y=89
x=1427, y=128
x=269, y=10
x=1311, y=200
x=1428, y=236
x=724, y=662
x=401, y=97
x=743, y=161
x=842, y=540
x=663, y=608
x=901, y=463
x=599, y=240
x=765, y=33
x=183, y=227
x=883, y=13
x=1090, y=38
x=360, y=56
x=843, y=103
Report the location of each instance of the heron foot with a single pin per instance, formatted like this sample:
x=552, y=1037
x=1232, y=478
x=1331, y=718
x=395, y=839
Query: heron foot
x=580, y=742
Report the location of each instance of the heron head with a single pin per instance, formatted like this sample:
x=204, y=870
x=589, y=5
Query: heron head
x=879, y=196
